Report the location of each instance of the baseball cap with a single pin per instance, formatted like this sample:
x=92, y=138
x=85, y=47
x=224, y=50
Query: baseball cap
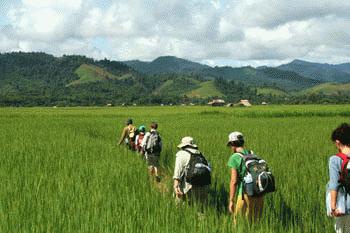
x=142, y=128
x=234, y=136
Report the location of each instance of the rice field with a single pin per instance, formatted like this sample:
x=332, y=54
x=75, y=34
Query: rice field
x=61, y=170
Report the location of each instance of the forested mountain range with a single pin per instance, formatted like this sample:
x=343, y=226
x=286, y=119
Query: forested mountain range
x=39, y=79
x=266, y=76
x=322, y=72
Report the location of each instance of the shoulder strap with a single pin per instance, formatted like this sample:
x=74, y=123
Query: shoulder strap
x=191, y=153
x=242, y=155
x=244, y=158
x=187, y=151
x=345, y=159
x=195, y=154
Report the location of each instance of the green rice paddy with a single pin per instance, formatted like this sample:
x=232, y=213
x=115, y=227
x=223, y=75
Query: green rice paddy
x=61, y=170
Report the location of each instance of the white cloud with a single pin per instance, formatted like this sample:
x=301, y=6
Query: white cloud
x=253, y=31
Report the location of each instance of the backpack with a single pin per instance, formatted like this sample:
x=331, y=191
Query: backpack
x=132, y=134
x=140, y=138
x=153, y=143
x=345, y=171
x=198, y=171
x=139, y=141
x=258, y=179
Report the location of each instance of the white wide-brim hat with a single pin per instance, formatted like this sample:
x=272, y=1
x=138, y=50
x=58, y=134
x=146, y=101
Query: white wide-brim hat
x=187, y=141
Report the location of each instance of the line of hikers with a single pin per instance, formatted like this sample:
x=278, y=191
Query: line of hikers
x=250, y=177
x=148, y=144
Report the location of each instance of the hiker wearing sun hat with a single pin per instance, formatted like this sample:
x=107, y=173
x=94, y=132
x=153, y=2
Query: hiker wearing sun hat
x=239, y=201
x=191, y=173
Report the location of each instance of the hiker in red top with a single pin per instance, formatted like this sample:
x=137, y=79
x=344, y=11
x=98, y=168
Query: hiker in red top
x=139, y=138
x=338, y=188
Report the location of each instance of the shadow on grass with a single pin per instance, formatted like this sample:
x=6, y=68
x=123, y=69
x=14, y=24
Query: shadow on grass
x=218, y=198
x=285, y=214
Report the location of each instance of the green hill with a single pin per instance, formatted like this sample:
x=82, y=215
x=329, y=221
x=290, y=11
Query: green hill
x=90, y=73
x=328, y=89
x=166, y=65
x=270, y=91
x=258, y=77
x=39, y=79
x=178, y=86
x=322, y=72
x=206, y=89
x=166, y=85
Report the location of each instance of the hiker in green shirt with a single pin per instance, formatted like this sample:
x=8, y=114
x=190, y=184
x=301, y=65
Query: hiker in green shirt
x=239, y=202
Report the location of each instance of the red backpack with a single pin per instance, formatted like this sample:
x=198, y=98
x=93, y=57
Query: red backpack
x=345, y=171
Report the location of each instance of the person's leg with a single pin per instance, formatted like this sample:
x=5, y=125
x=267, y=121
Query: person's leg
x=240, y=208
x=255, y=208
x=202, y=196
x=149, y=161
x=155, y=171
x=156, y=166
x=150, y=170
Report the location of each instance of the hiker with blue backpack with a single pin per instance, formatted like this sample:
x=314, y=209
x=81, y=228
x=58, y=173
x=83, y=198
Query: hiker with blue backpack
x=152, y=147
x=338, y=188
x=192, y=173
x=250, y=180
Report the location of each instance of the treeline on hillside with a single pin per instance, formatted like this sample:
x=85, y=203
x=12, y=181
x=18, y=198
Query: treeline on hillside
x=39, y=79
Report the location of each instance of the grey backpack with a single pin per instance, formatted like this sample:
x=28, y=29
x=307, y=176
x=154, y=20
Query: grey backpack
x=153, y=143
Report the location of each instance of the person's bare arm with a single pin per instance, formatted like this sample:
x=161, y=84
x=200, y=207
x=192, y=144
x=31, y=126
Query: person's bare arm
x=335, y=211
x=122, y=137
x=233, y=186
x=177, y=188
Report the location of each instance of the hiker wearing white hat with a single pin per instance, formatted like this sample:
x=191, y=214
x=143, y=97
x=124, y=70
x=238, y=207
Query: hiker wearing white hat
x=239, y=202
x=190, y=184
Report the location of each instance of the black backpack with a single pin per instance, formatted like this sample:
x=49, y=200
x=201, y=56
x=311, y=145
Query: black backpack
x=198, y=172
x=258, y=179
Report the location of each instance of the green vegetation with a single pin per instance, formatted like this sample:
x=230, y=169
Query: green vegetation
x=92, y=73
x=270, y=91
x=178, y=87
x=206, y=90
x=323, y=72
x=39, y=79
x=61, y=170
x=328, y=89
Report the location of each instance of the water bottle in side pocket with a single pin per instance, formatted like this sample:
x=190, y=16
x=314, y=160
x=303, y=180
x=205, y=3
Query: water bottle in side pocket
x=248, y=184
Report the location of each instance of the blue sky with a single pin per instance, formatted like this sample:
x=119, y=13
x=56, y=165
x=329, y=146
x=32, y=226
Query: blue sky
x=214, y=32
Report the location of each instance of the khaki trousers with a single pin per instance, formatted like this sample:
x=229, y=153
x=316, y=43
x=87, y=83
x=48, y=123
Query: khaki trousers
x=249, y=207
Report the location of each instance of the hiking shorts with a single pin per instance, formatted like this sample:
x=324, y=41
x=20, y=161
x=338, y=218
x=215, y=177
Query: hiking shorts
x=342, y=224
x=152, y=160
